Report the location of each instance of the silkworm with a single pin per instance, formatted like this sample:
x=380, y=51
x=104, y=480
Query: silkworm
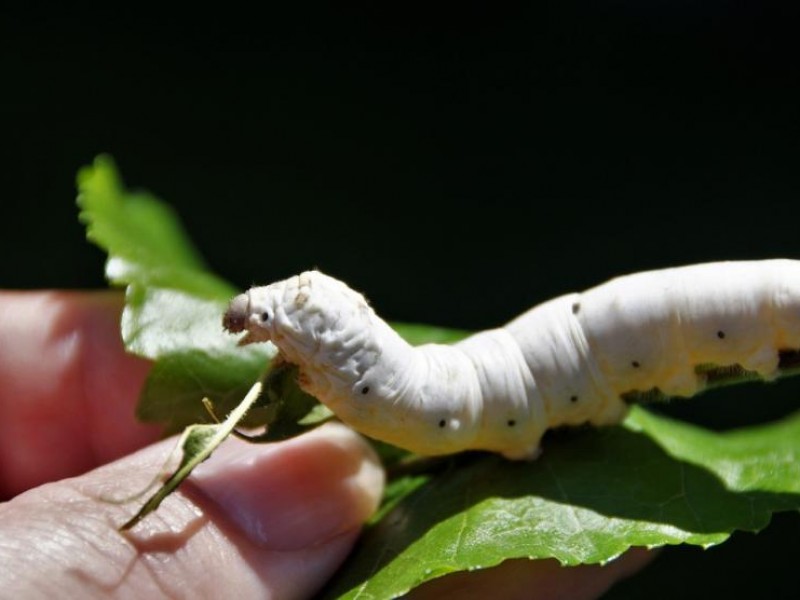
x=579, y=358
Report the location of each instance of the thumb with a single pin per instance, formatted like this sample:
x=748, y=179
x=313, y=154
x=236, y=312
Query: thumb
x=254, y=521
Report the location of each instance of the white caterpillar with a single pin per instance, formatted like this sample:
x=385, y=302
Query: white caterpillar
x=568, y=361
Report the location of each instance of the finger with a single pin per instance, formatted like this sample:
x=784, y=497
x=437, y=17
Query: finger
x=68, y=388
x=540, y=579
x=256, y=521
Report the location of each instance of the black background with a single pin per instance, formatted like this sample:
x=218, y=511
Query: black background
x=457, y=167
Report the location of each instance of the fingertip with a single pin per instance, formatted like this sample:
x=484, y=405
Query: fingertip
x=284, y=515
x=297, y=493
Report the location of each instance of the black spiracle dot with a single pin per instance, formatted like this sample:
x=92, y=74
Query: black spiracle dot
x=511, y=422
x=573, y=399
x=265, y=316
x=721, y=334
x=442, y=423
x=635, y=364
x=576, y=308
x=365, y=389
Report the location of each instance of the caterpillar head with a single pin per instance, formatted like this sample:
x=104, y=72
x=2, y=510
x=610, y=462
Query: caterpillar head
x=356, y=364
x=317, y=323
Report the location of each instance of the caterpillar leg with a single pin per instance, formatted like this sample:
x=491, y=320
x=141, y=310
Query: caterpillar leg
x=764, y=362
x=530, y=453
x=682, y=385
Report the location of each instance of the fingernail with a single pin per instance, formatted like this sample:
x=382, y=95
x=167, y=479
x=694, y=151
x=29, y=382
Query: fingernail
x=297, y=493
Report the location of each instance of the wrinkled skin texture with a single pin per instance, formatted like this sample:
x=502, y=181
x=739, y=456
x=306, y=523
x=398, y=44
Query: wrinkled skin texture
x=255, y=521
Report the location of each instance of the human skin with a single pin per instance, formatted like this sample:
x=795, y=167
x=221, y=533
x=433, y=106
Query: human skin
x=255, y=521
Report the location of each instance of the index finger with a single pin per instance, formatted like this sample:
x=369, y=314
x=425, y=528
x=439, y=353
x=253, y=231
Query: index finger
x=68, y=389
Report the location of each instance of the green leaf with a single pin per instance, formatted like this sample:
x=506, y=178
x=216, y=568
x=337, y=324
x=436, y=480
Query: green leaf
x=590, y=497
x=146, y=243
x=299, y=411
x=416, y=334
x=174, y=306
x=194, y=357
x=197, y=443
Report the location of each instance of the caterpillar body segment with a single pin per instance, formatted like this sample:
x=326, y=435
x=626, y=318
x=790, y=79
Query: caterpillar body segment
x=572, y=360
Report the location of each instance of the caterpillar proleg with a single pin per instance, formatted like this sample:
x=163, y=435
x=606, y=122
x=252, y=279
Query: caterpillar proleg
x=576, y=359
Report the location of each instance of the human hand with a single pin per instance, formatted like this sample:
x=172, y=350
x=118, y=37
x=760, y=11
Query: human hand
x=254, y=521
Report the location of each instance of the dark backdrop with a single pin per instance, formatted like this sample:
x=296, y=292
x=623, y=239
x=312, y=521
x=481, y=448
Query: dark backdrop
x=457, y=167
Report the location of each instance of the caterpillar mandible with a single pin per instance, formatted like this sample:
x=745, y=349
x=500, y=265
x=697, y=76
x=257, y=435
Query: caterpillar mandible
x=572, y=360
